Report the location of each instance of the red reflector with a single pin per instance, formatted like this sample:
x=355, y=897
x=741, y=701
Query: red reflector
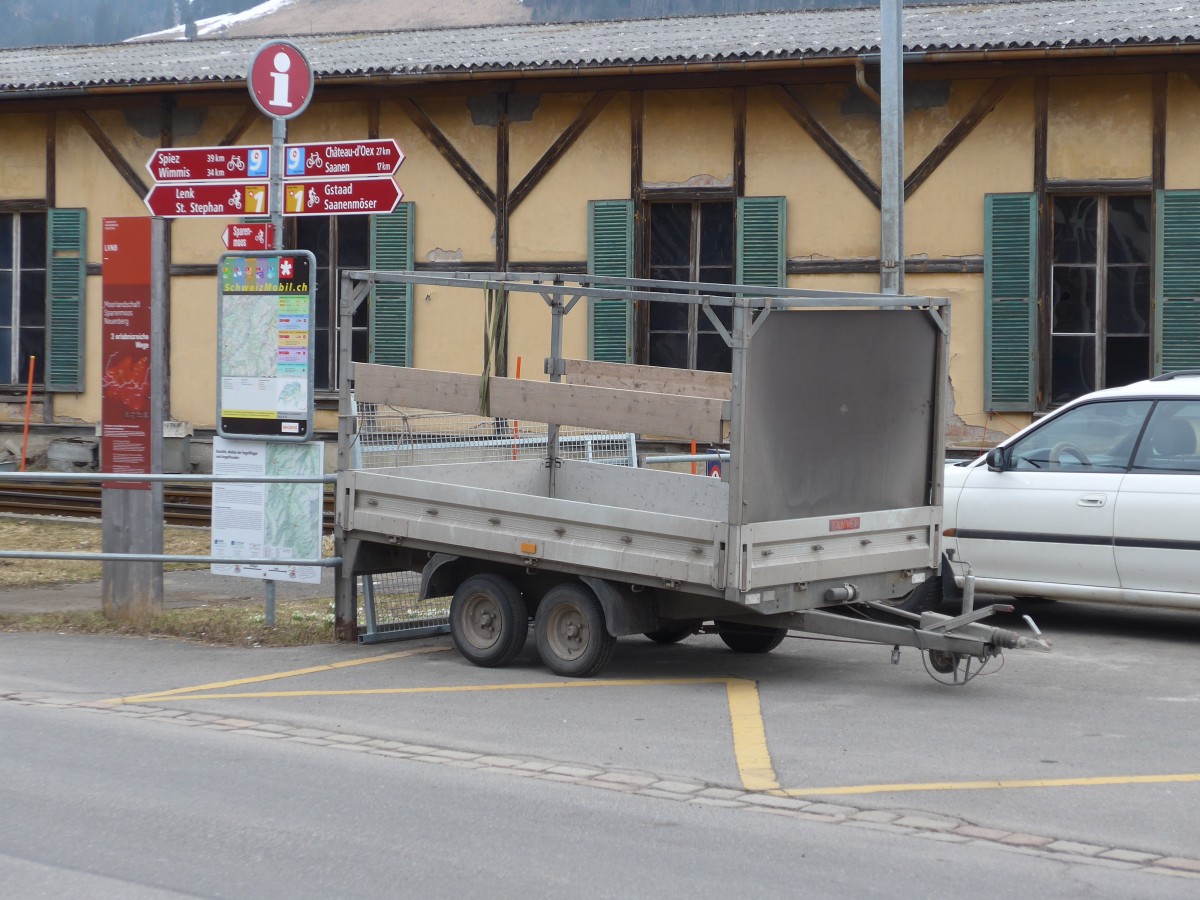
x=850, y=523
x=950, y=532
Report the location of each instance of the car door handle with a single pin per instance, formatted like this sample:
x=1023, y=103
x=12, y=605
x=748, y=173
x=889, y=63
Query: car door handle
x=1093, y=499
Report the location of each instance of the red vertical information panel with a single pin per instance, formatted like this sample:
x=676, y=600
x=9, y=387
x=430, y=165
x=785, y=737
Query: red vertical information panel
x=125, y=350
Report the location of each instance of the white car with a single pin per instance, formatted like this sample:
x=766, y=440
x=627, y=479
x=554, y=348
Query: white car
x=1099, y=501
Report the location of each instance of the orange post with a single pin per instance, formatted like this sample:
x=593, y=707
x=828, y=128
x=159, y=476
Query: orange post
x=28, y=407
x=693, y=454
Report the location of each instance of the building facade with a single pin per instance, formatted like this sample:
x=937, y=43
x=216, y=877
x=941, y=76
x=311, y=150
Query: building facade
x=1052, y=190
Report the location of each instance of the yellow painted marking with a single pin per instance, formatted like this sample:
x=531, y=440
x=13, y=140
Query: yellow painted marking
x=745, y=713
x=146, y=698
x=992, y=785
x=749, y=736
x=449, y=689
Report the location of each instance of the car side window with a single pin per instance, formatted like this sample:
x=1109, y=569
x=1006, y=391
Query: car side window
x=1172, y=439
x=1095, y=437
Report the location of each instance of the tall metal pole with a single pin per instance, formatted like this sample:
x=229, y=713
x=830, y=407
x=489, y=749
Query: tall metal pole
x=891, y=127
x=278, y=139
x=275, y=205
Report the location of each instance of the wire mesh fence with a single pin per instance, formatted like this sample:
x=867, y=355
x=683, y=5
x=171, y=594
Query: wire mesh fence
x=391, y=608
x=390, y=436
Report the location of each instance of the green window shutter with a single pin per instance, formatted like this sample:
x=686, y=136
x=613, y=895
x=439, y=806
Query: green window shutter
x=66, y=294
x=391, y=304
x=762, y=241
x=610, y=253
x=1177, y=282
x=1010, y=302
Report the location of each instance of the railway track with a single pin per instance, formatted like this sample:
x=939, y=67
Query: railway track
x=182, y=504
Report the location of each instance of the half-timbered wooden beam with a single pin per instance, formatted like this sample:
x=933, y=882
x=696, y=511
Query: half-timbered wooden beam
x=114, y=155
x=1045, y=237
x=794, y=107
x=956, y=135
x=1158, y=167
x=739, y=141
x=561, y=145
x=248, y=117
x=448, y=151
x=869, y=265
x=51, y=159
x=373, y=112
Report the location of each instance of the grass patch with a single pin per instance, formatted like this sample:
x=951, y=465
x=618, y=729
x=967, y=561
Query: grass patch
x=83, y=536
x=234, y=624
x=297, y=622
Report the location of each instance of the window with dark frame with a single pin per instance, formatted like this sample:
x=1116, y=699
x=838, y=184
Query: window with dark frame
x=690, y=240
x=22, y=296
x=338, y=242
x=1099, y=316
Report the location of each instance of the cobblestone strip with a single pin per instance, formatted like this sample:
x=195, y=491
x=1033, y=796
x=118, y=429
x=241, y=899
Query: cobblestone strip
x=913, y=823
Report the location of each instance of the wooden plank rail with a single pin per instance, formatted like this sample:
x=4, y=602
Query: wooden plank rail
x=656, y=379
x=604, y=408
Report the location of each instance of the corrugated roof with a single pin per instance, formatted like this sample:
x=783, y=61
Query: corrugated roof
x=580, y=46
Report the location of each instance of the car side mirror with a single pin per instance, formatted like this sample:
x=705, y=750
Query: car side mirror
x=998, y=459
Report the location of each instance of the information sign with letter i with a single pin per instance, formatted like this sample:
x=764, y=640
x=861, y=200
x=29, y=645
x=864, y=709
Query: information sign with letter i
x=266, y=313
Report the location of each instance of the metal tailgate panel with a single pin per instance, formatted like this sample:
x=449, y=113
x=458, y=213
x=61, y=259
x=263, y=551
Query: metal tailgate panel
x=858, y=389
x=809, y=550
x=524, y=528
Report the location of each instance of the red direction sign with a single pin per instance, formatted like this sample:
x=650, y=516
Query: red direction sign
x=257, y=236
x=337, y=197
x=342, y=159
x=280, y=80
x=231, y=199
x=209, y=163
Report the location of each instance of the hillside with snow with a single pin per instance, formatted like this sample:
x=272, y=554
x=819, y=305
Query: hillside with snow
x=298, y=17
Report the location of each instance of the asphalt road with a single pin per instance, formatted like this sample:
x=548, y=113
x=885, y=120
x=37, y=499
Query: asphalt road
x=1069, y=774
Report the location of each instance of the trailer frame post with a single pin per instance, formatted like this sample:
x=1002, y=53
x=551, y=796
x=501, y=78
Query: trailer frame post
x=740, y=365
x=350, y=296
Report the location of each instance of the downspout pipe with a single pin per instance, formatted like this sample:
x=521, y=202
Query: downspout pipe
x=891, y=131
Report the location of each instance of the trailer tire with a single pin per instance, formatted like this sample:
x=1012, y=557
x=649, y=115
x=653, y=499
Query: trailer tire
x=489, y=621
x=572, y=637
x=750, y=638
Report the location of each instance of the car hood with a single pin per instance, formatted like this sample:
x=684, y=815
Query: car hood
x=956, y=473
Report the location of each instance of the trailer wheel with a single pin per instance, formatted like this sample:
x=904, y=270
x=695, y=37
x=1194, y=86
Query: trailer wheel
x=488, y=620
x=943, y=661
x=572, y=638
x=750, y=638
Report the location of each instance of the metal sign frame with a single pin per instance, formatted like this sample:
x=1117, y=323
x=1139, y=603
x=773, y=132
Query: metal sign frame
x=264, y=427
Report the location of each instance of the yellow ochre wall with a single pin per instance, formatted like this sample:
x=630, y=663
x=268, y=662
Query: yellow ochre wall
x=1099, y=128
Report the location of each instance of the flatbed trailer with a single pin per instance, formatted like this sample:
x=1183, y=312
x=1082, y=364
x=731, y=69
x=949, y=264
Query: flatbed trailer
x=826, y=517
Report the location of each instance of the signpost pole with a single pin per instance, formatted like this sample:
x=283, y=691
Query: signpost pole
x=278, y=139
x=275, y=200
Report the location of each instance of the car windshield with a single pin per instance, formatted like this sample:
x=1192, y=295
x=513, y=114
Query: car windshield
x=1093, y=436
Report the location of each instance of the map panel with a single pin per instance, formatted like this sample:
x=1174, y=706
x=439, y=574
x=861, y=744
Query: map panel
x=266, y=311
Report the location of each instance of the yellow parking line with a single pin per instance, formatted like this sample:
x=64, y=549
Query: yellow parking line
x=749, y=736
x=447, y=689
x=745, y=712
x=991, y=785
x=158, y=695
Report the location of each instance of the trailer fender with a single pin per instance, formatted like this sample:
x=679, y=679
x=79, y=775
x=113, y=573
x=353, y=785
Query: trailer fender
x=440, y=577
x=624, y=612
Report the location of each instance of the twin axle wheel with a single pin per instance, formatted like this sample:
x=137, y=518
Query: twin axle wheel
x=489, y=623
